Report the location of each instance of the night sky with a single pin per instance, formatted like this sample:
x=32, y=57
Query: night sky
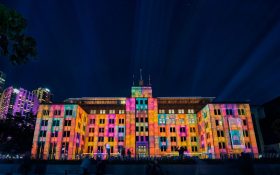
x=224, y=49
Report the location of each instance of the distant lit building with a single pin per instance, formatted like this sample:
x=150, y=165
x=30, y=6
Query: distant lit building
x=44, y=95
x=2, y=82
x=18, y=101
x=145, y=125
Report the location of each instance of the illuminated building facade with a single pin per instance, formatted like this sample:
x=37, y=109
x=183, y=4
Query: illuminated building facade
x=18, y=101
x=145, y=125
x=2, y=82
x=44, y=95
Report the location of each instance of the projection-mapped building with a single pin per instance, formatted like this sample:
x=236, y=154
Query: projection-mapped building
x=145, y=125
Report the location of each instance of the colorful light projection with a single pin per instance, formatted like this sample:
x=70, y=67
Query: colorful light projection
x=235, y=127
x=89, y=133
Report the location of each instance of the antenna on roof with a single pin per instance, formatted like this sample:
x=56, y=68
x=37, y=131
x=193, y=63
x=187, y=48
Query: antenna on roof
x=133, y=80
x=141, y=82
x=141, y=74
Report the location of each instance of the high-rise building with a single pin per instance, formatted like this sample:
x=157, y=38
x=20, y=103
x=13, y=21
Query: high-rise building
x=44, y=95
x=2, y=82
x=18, y=101
x=145, y=125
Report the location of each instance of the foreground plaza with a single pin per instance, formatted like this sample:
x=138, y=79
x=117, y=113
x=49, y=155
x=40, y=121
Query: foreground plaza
x=144, y=125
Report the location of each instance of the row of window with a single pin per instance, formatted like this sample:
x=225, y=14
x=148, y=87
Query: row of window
x=229, y=112
x=58, y=112
x=178, y=111
x=104, y=111
x=141, y=119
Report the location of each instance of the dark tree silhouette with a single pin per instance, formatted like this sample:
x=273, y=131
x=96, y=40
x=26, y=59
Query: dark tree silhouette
x=14, y=44
x=16, y=133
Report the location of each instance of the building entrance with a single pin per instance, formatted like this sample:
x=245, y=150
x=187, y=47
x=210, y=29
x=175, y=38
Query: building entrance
x=142, y=151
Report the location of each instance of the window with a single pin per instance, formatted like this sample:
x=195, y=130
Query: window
x=217, y=122
x=67, y=122
x=101, y=121
x=66, y=133
x=171, y=111
x=183, y=139
x=220, y=133
x=103, y=111
x=111, y=129
x=163, y=139
x=241, y=112
x=161, y=111
x=121, y=129
x=91, y=121
x=190, y=111
x=101, y=130
x=161, y=121
x=217, y=112
x=181, y=111
x=121, y=121
x=90, y=139
x=44, y=123
x=172, y=129
x=68, y=112
x=173, y=139
x=146, y=119
x=92, y=111
x=141, y=128
x=90, y=149
x=46, y=112
x=192, y=129
x=163, y=148
x=229, y=111
x=100, y=149
x=136, y=119
x=91, y=130
x=142, y=138
x=182, y=129
x=121, y=111
x=247, y=145
x=141, y=119
x=244, y=122
x=111, y=111
x=137, y=128
x=193, y=139
x=194, y=148
x=146, y=128
x=120, y=139
x=222, y=145
x=110, y=139
x=54, y=134
x=245, y=133
x=162, y=129
x=42, y=133
x=57, y=112
x=173, y=148
x=111, y=121
x=100, y=139
x=147, y=138
x=55, y=122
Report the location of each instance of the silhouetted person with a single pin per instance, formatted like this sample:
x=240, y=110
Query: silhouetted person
x=85, y=165
x=107, y=146
x=129, y=153
x=100, y=167
x=123, y=152
x=181, y=151
x=26, y=164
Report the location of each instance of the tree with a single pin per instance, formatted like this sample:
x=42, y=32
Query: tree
x=14, y=44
